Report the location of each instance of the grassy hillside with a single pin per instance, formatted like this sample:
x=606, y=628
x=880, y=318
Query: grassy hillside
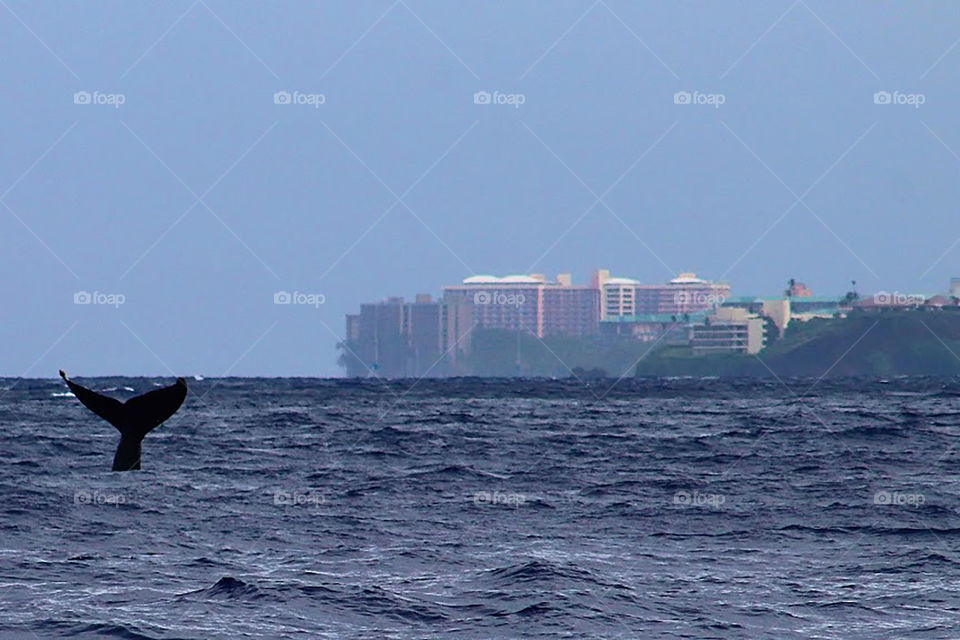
x=863, y=344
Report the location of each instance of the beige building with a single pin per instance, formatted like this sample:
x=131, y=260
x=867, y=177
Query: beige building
x=777, y=310
x=728, y=330
x=619, y=297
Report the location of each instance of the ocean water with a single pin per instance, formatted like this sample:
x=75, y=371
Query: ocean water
x=299, y=508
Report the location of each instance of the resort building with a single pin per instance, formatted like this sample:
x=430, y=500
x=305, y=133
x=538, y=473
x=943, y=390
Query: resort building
x=685, y=294
x=399, y=339
x=530, y=303
x=620, y=297
x=570, y=310
x=797, y=290
x=728, y=330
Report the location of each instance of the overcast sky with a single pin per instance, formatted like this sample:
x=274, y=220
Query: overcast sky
x=186, y=194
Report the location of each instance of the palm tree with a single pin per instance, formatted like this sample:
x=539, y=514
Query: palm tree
x=852, y=295
x=791, y=282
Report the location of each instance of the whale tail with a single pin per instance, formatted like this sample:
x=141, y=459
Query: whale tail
x=135, y=418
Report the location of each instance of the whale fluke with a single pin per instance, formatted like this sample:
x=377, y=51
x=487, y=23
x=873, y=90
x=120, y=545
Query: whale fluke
x=134, y=419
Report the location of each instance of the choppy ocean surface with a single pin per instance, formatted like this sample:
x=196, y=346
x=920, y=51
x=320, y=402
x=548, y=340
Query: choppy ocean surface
x=299, y=508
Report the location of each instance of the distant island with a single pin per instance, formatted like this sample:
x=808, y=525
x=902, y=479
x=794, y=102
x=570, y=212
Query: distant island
x=613, y=327
x=885, y=344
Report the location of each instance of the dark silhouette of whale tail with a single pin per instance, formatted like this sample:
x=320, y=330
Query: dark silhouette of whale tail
x=134, y=419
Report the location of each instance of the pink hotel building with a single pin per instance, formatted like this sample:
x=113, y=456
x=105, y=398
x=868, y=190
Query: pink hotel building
x=550, y=308
x=530, y=303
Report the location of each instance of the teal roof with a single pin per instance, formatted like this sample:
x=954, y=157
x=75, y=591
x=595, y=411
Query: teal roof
x=807, y=300
x=652, y=318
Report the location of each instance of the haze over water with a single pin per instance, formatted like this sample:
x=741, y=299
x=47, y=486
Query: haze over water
x=222, y=152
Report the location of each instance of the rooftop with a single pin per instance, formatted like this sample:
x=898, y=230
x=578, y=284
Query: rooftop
x=654, y=318
x=687, y=278
x=511, y=279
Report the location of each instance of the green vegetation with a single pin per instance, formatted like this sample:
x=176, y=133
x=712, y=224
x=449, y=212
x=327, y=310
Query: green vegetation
x=909, y=342
x=889, y=343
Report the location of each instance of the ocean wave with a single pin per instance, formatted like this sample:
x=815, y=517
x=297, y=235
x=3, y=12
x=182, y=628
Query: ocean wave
x=397, y=545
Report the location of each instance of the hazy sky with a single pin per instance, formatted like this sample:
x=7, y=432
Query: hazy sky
x=198, y=198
